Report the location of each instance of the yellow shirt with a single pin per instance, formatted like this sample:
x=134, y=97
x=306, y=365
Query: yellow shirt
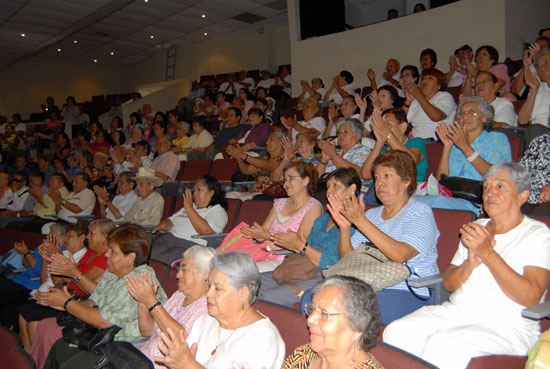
x=48, y=211
x=181, y=142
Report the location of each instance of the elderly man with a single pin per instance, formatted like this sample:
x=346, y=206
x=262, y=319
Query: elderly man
x=147, y=209
x=167, y=164
x=17, y=197
x=79, y=202
x=389, y=77
x=44, y=207
x=122, y=203
x=535, y=109
x=16, y=200
x=140, y=158
x=233, y=129
x=461, y=58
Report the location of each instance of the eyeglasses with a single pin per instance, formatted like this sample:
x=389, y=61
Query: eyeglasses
x=468, y=113
x=323, y=313
x=288, y=179
x=18, y=180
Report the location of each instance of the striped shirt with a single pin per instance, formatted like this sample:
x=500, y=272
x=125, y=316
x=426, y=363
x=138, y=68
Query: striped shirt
x=414, y=225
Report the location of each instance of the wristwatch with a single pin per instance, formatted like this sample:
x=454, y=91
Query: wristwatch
x=303, y=252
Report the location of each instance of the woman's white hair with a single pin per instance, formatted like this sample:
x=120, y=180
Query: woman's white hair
x=201, y=255
x=515, y=171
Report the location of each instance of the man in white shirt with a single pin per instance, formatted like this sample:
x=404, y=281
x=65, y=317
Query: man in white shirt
x=458, y=62
x=266, y=81
x=122, y=203
x=139, y=159
x=341, y=87
x=79, y=202
x=244, y=82
x=16, y=199
x=390, y=75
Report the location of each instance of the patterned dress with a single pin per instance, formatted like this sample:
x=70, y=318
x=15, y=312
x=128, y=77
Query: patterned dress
x=301, y=359
x=536, y=160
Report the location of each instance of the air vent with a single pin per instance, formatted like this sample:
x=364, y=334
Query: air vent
x=248, y=18
x=277, y=4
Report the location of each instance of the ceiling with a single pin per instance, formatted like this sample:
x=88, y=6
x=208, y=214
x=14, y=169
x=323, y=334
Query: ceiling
x=118, y=32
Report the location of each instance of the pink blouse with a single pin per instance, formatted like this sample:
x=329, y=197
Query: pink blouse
x=292, y=223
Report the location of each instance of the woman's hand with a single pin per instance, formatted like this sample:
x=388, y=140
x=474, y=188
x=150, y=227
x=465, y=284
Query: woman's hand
x=142, y=289
x=443, y=134
x=545, y=194
x=457, y=134
x=353, y=210
x=290, y=240
x=414, y=90
x=165, y=225
x=101, y=193
x=288, y=149
x=375, y=100
x=380, y=127
x=177, y=353
x=188, y=200
x=335, y=208
x=371, y=75
x=235, y=152
x=477, y=239
x=472, y=70
x=328, y=148
x=55, y=298
x=256, y=232
x=60, y=265
x=21, y=247
x=361, y=102
x=531, y=80
x=332, y=112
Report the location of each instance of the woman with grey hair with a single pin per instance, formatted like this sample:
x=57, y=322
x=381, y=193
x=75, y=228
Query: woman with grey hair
x=185, y=306
x=232, y=331
x=468, y=149
x=501, y=266
x=352, y=154
x=181, y=140
x=343, y=323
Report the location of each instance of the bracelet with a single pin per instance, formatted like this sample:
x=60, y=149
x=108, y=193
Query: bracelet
x=67, y=303
x=158, y=303
x=473, y=157
x=407, y=105
x=105, y=202
x=77, y=279
x=323, y=162
x=303, y=252
x=27, y=253
x=389, y=136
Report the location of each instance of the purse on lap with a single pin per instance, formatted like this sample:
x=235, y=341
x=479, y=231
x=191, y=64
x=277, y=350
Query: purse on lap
x=370, y=265
x=294, y=267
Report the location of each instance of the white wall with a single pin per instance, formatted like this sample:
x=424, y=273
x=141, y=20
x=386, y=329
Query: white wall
x=443, y=29
x=523, y=21
x=25, y=85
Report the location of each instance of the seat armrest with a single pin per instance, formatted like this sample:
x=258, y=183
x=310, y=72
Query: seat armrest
x=283, y=252
x=212, y=240
x=429, y=281
x=537, y=312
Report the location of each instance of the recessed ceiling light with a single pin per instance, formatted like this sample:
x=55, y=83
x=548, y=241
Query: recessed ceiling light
x=75, y=42
x=151, y=37
x=58, y=50
x=146, y=1
x=95, y=60
x=205, y=33
x=203, y=16
x=23, y=35
x=112, y=53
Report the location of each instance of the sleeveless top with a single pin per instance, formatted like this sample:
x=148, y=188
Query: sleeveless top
x=282, y=223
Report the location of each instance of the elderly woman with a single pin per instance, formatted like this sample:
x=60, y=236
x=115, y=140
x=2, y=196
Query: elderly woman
x=486, y=87
x=320, y=247
x=201, y=140
x=256, y=135
x=402, y=228
x=147, y=209
x=486, y=58
x=295, y=213
x=110, y=303
x=182, y=309
x=343, y=323
x=501, y=266
x=181, y=140
x=312, y=122
x=302, y=150
x=233, y=330
x=348, y=109
x=468, y=149
x=352, y=154
x=426, y=105
x=389, y=129
x=385, y=98
x=315, y=90
x=203, y=212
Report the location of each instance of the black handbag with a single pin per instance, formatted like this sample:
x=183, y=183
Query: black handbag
x=123, y=355
x=463, y=188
